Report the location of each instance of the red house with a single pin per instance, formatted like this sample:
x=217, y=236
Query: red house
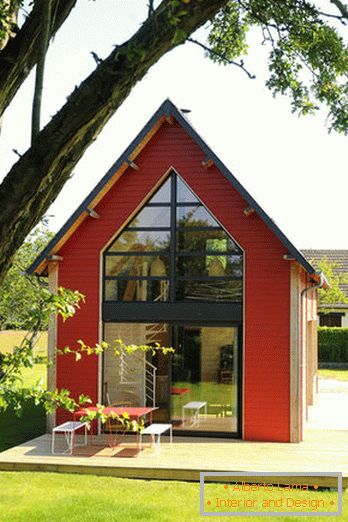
x=170, y=248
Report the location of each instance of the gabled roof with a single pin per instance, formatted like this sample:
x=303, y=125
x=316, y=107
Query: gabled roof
x=165, y=111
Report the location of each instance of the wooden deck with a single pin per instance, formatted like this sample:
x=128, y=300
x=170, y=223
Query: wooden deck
x=322, y=451
x=325, y=449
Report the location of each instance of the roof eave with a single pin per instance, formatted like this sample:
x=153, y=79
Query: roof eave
x=166, y=109
x=39, y=265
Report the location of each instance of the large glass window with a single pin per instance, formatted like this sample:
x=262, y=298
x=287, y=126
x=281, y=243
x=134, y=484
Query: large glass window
x=195, y=388
x=205, y=379
x=130, y=379
x=173, y=250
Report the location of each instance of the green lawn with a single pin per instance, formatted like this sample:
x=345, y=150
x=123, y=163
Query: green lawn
x=16, y=430
x=79, y=498
x=11, y=338
x=212, y=392
x=32, y=423
x=335, y=374
x=30, y=376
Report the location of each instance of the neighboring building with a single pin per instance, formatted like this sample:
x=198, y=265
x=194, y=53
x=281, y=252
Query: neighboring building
x=170, y=248
x=338, y=315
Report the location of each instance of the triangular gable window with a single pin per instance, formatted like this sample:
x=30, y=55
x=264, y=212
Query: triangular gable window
x=173, y=250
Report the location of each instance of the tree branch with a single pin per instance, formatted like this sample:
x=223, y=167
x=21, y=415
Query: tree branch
x=150, y=11
x=37, y=178
x=337, y=17
x=40, y=68
x=21, y=53
x=223, y=57
x=343, y=9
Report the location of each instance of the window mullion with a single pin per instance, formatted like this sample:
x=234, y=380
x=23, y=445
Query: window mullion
x=172, y=239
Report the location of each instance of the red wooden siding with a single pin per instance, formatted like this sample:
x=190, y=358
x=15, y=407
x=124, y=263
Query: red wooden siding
x=267, y=279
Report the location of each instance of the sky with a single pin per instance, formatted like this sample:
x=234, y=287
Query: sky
x=291, y=165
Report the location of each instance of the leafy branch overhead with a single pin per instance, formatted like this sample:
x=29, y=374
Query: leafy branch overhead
x=12, y=393
x=19, y=293
x=63, y=304
x=307, y=60
x=117, y=347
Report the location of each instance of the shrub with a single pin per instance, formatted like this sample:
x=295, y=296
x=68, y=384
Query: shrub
x=333, y=344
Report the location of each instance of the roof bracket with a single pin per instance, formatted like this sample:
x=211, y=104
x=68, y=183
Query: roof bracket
x=248, y=211
x=207, y=162
x=170, y=119
x=92, y=213
x=54, y=257
x=166, y=112
x=288, y=257
x=132, y=164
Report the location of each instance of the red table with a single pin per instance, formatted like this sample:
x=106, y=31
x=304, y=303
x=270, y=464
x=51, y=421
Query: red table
x=180, y=391
x=135, y=413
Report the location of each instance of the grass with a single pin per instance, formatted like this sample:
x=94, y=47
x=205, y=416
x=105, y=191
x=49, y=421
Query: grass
x=333, y=373
x=16, y=430
x=211, y=392
x=78, y=498
x=32, y=423
x=11, y=338
x=30, y=376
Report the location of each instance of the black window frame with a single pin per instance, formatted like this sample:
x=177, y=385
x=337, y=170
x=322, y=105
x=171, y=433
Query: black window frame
x=174, y=255
x=173, y=324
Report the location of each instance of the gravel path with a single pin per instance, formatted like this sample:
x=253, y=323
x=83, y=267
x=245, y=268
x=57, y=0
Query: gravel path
x=333, y=386
x=331, y=409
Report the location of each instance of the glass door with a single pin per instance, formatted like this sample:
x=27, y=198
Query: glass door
x=196, y=387
x=204, y=386
x=139, y=378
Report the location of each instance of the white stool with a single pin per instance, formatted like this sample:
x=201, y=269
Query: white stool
x=69, y=429
x=196, y=406
x=157, y=429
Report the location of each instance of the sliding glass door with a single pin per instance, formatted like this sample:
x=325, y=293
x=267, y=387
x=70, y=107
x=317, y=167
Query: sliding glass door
x=197, y=387
x=205, y=379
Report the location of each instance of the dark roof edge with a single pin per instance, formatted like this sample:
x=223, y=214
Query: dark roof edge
x=243, y=192
x=166, y=108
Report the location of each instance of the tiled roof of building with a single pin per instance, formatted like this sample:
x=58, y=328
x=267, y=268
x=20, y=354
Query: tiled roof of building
x=333, y=256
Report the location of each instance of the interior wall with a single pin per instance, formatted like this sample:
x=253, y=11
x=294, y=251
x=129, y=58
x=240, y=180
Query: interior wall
x=212, y=340
x=114, y=390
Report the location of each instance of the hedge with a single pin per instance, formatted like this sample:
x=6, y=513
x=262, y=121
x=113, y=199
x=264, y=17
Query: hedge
x=333, y=344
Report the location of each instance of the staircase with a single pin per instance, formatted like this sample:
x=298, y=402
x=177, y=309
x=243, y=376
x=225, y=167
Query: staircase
x=135, y=378
x=138, y=377
x=153, y=330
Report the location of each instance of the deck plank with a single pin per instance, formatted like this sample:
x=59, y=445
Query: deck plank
x=322, y=451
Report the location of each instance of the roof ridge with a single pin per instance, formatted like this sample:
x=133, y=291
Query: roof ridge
x=168, y=108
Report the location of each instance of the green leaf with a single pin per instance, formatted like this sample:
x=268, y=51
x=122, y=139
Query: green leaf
x=179, y=36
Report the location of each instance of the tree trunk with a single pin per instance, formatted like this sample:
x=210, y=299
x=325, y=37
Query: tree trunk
x=37, y=178
x=21, y=52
